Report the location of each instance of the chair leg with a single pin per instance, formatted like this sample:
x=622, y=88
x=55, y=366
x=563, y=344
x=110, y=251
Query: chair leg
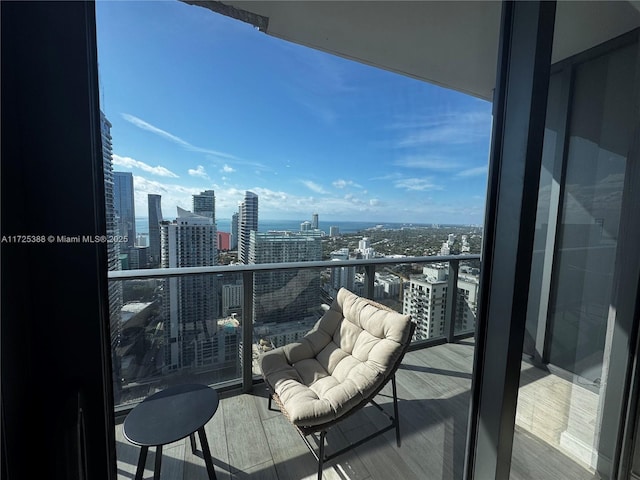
x=395, y=409
x=321, y=454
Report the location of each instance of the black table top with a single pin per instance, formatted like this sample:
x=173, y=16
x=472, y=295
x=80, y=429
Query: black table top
x=170, y=415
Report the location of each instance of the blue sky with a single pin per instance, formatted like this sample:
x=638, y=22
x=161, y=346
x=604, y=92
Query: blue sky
x=201, y=101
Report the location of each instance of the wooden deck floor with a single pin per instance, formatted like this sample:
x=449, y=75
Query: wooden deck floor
x=249, y=441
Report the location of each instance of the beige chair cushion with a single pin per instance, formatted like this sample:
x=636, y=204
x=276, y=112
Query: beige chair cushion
x=342, y=361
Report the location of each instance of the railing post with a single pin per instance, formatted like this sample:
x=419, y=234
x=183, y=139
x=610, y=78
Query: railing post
x=369, y=279
x=247, y=332
x=452, y=301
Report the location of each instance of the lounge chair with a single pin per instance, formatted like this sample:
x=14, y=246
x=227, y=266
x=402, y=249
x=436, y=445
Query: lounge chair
x=338, y=368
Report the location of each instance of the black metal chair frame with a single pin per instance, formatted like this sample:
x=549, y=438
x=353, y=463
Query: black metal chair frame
x=394, y=419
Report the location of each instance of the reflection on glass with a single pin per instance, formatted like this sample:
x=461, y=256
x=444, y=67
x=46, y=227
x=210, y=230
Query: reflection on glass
x=188, y=328
x=569, y=311
x=596, y=161
x=176, y=330
x=287, y=304
x=467, y=298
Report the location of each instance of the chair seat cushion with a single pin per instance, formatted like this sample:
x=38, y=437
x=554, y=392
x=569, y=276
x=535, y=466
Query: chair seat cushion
x=340, y=363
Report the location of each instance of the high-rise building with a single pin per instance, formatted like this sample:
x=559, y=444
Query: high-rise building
x=342, y=276
x=204, y=204
x=138, y=257
x=155, y=217
x=365, y=250
x=124, y=206
x=142, y=240
x=234, y=232
x=232, y=298
x=224, y=241
x=113, y=250
x=426, y=302
x=467, y=302
x=334, y=231
x=247, y=223
x=314, y=222
x=390, y=284
x=283, y=296
x=305, y=226
x=189, y=302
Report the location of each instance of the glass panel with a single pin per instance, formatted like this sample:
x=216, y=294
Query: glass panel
x=425, y=299
x=177, y=330
x=595, y=170
x=563, y=378
x=376, y=162
x=468, y=296
x=287, y=304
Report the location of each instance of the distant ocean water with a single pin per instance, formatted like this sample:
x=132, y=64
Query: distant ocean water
x=224, y=225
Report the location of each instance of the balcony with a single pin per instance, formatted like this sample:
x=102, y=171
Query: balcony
x=249, y=441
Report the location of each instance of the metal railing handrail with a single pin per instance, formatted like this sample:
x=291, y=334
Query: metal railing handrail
x=248, y=271
x=239, y=268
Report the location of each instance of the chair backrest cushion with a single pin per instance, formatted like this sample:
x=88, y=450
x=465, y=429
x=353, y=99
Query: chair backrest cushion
x=343, y=360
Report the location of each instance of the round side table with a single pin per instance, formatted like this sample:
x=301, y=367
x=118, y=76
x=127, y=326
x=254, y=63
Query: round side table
x=168, y=416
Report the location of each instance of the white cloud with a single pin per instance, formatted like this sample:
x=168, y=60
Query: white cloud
x=281, y=204
x=417, y=184
x=388, y=177
x=128, y=162
x=138, y=122
x=198, y=172
x=454, y=128
x=313, y=186
x=227, y=169
x=474, y=172
x=340, y=183
x=427, y=162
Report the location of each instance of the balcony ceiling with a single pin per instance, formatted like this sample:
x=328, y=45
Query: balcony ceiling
x=453, y=44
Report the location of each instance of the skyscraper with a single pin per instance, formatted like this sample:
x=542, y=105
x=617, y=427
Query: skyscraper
x=190, y=303
x=305, y=226
x=426, y=301
x=204, y=204
x=234, y=231
x=314, y=221
x=113, y=250
x=155, y=217
x=124, y=206
x=247, y=222
x=342, y=276
x=283, y=296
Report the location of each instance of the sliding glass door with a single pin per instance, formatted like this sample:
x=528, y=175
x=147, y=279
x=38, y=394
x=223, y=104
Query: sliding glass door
x=571, y=401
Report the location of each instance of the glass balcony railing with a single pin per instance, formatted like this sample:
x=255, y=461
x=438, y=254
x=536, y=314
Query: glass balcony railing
x=209, y=324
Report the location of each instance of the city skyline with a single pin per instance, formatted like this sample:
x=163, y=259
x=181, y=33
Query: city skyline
x=199, y=101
